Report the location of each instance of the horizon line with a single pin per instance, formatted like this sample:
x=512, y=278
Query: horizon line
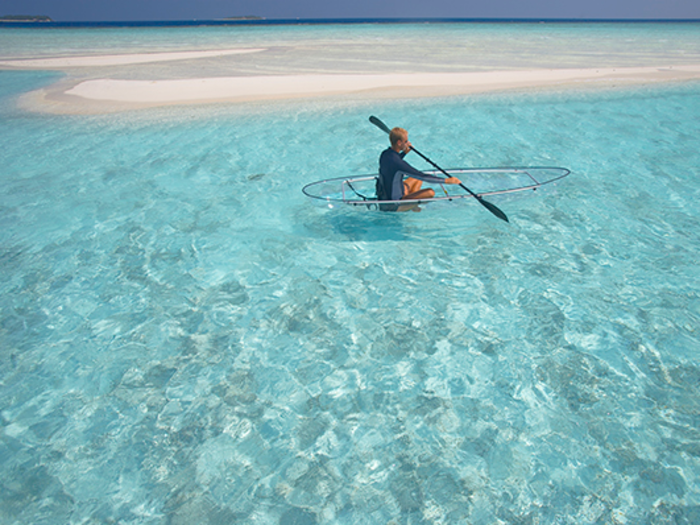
x=255, y=20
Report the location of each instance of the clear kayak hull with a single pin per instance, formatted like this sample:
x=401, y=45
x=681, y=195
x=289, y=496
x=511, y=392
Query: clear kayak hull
x=359, y=190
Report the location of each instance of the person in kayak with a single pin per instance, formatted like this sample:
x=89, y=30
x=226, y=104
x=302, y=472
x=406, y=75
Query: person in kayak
x=391, y=185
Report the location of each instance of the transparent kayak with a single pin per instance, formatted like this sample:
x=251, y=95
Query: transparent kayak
x=360, y=190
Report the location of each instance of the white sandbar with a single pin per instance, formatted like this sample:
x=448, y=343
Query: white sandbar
x=118, y=60
x=291, y=86
x=109, y=95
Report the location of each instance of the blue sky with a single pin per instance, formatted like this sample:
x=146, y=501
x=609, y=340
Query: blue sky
x=121, y=10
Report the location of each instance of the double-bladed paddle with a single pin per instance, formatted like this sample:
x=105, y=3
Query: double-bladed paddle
x=492, y=208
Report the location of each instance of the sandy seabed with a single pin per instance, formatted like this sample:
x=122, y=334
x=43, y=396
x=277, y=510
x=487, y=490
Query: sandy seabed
x=111, y=94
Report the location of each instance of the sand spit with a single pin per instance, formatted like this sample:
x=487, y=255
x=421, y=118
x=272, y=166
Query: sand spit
x=106, y=95
x=118, y=60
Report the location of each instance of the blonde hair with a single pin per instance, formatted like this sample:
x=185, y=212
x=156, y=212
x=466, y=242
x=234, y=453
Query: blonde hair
x=397, y=134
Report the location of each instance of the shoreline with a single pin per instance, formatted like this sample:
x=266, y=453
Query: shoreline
x=106, y=95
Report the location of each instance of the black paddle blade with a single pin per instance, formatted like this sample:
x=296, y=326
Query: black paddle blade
x=493, y=209
x=374, y=120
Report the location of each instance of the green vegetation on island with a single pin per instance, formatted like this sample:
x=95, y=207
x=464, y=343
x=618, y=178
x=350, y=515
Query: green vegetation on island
x=25, y=18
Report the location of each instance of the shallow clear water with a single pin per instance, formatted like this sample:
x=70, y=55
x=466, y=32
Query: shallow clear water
x=186, y=339
x=369, y=47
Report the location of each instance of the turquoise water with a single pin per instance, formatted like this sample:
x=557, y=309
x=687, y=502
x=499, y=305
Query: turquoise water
x=186, y=339
x=370, y=47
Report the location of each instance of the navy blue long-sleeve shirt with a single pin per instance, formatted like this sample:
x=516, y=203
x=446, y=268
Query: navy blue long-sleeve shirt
x=392, y=169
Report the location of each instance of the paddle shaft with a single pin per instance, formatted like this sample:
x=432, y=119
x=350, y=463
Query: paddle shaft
x=491, y=207
x=443, y=171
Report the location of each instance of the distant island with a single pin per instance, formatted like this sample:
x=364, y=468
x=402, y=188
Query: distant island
x=243, y=18
x=25, y=18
